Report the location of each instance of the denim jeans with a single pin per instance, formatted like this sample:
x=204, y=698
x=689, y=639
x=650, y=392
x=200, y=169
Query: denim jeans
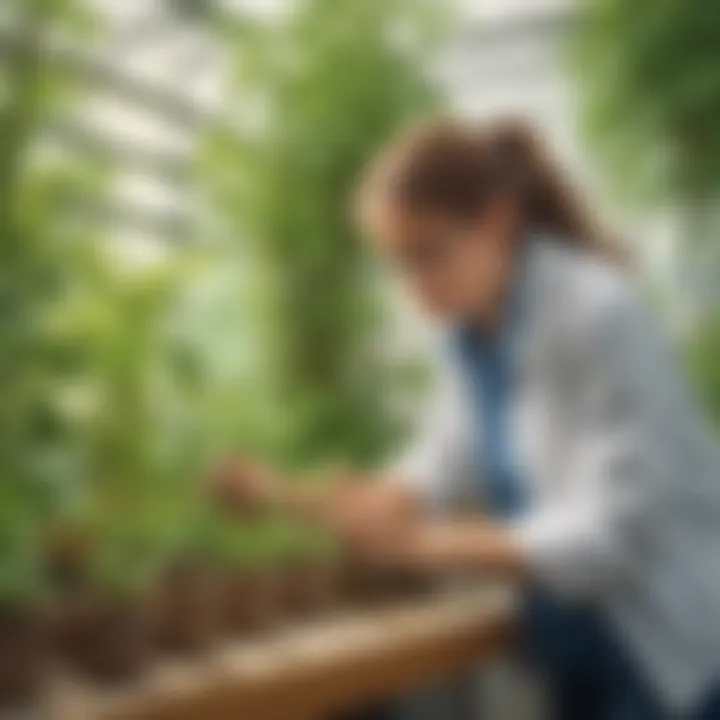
x=589, y=675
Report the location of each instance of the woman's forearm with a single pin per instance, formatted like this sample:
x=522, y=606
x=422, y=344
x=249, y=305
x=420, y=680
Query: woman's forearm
x=379, y=517
x=344, y=506
x=480, y=546
x=347, y=502
x=383, y=519
x=471, y=546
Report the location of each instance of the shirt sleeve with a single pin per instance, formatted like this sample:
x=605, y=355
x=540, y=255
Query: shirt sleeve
x=598, y=532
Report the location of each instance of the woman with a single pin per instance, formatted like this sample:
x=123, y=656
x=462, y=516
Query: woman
x=560, y=411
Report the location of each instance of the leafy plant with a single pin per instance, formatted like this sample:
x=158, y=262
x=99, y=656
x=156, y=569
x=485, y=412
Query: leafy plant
x=119, y=320
x=319, y=91
x=33, y=274
x=112, y=396
x=703, y=350
x=651, y=94
x=650, y=98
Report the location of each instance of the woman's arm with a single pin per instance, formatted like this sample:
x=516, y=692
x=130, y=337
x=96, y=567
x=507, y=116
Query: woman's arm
x=429, y=476
x=478, y=545
x=381, y=518
x=348, y=503
x=618, y=465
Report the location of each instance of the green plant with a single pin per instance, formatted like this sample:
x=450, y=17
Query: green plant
x=33, y=276
x=22, y=579
x=118, y=319
x=250, y=545
x=650, y=97
x=320, y=91
x=651, y=94
x=703, y=353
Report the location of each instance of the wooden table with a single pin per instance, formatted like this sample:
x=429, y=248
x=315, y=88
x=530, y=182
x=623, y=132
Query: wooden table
x=307, y=672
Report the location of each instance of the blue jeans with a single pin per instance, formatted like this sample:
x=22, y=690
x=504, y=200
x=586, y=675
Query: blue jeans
x=710, y=709
x=589, y=675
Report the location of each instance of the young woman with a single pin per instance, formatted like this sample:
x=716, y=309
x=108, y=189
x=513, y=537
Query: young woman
x=560, y=411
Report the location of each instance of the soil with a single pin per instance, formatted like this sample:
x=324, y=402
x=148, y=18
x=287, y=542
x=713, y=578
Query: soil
x=108, y=639
x=309, y=588
x=253, y=601
x=23, y=657
x=364, y=583
x=189, y=617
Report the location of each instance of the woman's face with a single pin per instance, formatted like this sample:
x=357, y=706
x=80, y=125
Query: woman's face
x=456, y=270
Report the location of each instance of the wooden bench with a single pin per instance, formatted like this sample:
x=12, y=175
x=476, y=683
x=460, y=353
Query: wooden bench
x=309, y=672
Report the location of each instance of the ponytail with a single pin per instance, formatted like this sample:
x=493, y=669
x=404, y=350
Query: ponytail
x=457, y=169
x=551, y=203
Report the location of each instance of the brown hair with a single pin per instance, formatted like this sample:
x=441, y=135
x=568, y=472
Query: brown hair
x=450, y=167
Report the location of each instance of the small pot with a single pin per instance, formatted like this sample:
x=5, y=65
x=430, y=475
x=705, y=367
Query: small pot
x=66, y=619
x=109, y=639
x=361, y=583
x=367, y=583
x=253, y=601
x=309, y=588
x=189, y=617
x=23, y=658
x=406, y=584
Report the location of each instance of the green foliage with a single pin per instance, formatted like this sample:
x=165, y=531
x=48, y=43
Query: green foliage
x=648, y=77
x=134, y=376
x=703, y=353
x=262, y=542
x=22, y=512
x=649, y=84
x=119, y=384
x=319, y=92
x=33, y=273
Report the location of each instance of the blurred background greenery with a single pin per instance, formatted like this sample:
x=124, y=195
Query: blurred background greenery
x=180, y=277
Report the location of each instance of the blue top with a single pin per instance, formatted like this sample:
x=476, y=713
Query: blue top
x=487, y=363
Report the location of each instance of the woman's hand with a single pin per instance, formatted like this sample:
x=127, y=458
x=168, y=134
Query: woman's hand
x=354, y=507
x=244, y=485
